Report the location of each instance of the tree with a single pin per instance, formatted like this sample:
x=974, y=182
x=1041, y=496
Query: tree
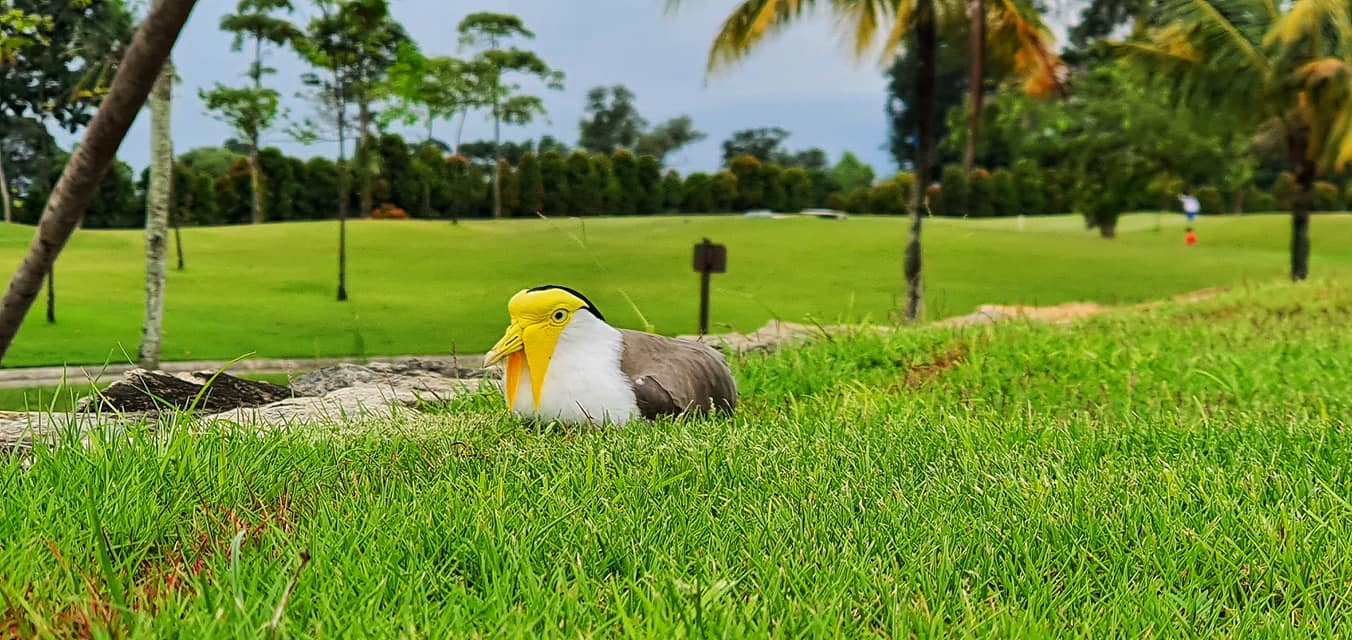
x=158, y=202
x=499, y=70
x=530, y=183
x=553, y=182
x=624, y=169
x=762, y=144
x=55, y=60
x=354, y=41
x=649, y=198
x=1282, y=69
x=851, y=173
x=252, y=110
x=611, y=120
x=137, y=72
x=668, y=137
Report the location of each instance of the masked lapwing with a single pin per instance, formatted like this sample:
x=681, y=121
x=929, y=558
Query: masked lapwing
x=564, y=362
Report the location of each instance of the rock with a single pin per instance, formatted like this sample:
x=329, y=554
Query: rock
x=322, y=381
x=142, y=391
x=374, y=399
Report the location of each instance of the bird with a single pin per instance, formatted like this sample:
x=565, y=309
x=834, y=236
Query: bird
x=564, y=362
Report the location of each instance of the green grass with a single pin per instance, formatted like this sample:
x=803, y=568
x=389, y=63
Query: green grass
x=430, y=287
x=1175, y=472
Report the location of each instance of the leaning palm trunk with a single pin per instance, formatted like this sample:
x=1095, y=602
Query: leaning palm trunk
x=924, y=92
x=158, y=195
x=977, y=82
x=87, y=166
x=4, y=188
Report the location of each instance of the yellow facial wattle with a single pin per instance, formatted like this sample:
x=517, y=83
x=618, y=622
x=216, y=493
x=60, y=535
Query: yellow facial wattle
x=538, y=317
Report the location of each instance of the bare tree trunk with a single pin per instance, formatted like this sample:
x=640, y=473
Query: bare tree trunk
x=178, y=240
x=87, y=166
x=344, y=193
x=158, y=196
x=4, y=187
x=924, y=92
x=976, y=88
x=364, y=158
x=255, y=171
x=497, y=158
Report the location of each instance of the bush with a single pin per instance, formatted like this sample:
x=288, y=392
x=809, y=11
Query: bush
x=553, y=183
x=796, y=187
x=934, y=200
x=511, y=195
x=584, y=198
x=649, y=199
x=954, y=185
x=980, y=194
x=698, y=197
x=750, y=188
x=857, y=200
x=530, y=184
x=1257, y=200
x=673, y=191
x=1004, y=198
x=1210, y=200
x=723, y=192
x=1327, y=197
x=623, y=193
x=1284, y=190
x=389, y=211
x=1028, y=187
x=887, y=197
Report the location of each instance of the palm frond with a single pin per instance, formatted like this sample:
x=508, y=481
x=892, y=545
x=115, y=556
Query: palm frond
x=748, y=25
x=1021, y=30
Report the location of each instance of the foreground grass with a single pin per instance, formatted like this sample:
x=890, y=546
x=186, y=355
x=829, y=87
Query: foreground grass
x=1174, y=472
x=430, y=287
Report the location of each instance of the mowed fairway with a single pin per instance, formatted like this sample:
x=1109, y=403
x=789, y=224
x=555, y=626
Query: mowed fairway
x=421, y=287
x=1175, y=472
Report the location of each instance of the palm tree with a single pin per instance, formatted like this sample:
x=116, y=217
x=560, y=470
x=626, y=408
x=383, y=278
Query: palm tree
x=159, y=199
x=1285, y=68
x=863, y=21
x=85, y=170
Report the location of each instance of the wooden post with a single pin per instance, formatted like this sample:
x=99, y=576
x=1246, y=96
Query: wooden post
x=710, y=258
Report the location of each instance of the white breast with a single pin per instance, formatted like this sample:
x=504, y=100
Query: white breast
x=584, y=382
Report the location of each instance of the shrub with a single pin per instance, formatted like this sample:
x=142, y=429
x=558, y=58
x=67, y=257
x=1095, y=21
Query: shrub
x=1028, y=187
x=750, y=187
x=673, y=191
x=1257, y=200
x=954, y=185
x=796, y=187
x=388, y=211
x=980, y=194
x=723, y=192
x=530, y=184
x=1210, y=200
x=649, y=199
x=1284, y=190
x=698, y=197
x=1327, y=197
x=887, y=197
x=934, y=201
x=857, y=200
x=553, y=183
x=1004, y=198
x=623, y=193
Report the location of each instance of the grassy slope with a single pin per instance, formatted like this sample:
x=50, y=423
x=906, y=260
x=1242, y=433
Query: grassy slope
x=1174, y=472
x=428, y=287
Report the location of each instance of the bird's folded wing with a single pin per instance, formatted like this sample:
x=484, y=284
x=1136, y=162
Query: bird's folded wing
x=672, y=376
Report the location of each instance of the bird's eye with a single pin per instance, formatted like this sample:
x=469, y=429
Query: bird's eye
x=559, y=315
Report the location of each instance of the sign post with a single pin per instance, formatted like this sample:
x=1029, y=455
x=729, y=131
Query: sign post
x=709, y=258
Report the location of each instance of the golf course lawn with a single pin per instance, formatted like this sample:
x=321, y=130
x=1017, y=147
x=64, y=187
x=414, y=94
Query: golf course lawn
x=424, y=287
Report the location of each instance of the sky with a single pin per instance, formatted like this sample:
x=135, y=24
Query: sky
x=802, y=80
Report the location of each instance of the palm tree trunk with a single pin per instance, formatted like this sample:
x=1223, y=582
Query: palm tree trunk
x=924, y=93
x=158, y=195
x=93, y=156
x=976, y=88
x=51, y=296
x=1300, y=223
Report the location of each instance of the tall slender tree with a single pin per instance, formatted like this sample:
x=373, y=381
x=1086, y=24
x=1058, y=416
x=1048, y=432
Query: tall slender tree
x=252, y=110
x=159, y=198
x=500, y=70
x=137, y=72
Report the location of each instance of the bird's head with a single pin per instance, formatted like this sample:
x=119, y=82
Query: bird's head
x=538, y=317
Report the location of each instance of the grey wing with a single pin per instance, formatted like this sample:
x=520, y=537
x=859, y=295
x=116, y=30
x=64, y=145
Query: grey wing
x=671, y=376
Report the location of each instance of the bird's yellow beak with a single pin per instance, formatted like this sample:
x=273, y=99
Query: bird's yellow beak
x=528, y=343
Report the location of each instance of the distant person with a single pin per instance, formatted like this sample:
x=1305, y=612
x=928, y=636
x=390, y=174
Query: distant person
x=1191, y=207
